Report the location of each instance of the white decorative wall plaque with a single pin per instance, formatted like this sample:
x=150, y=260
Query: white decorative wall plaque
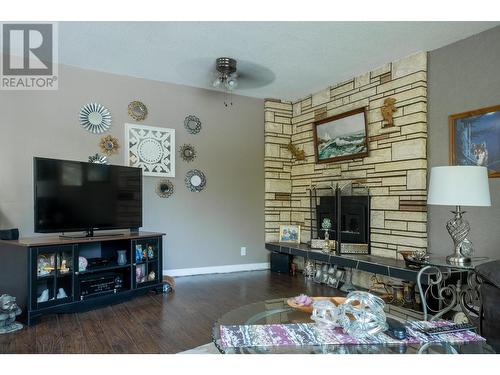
x=151, y=148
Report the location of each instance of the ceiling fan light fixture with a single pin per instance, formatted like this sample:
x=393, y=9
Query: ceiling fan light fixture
x=217, y=82
x=231, y=83
x=226, y=73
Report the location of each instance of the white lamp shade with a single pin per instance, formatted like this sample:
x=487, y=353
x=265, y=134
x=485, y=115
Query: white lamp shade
x=459, y=186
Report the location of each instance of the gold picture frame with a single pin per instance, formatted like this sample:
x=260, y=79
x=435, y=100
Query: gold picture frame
x=341, y=137
x=473, y=136
x=289, y=233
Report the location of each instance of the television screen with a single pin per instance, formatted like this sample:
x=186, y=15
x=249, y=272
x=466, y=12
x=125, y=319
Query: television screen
x=76, y=196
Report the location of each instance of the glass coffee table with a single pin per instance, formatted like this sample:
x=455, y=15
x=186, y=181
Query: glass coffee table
x=277, y=311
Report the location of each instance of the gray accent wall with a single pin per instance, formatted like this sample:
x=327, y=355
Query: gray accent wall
x=463, y=76
x=203, y=229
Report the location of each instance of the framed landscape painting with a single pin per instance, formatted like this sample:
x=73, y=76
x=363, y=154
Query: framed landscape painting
x=475, y=139
x=341, y=137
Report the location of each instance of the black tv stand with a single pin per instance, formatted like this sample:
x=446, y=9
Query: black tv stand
x=47, y=275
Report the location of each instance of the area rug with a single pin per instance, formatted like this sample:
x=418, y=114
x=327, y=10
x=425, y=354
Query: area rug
x=202, y=349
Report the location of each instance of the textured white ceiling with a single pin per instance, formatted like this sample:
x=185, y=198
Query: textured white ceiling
x=298, y=57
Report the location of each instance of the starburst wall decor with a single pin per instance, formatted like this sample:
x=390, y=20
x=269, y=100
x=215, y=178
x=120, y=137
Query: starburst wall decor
x=151, y=148
x=109, y=145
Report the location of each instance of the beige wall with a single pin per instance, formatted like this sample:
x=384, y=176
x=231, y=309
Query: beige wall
x=463, y=76
x=395, y=169
x=203, y=229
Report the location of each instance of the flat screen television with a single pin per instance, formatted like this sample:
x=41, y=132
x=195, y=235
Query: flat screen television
x=74, y=196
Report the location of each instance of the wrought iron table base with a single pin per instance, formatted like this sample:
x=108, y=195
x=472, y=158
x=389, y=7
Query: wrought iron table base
x=450, y=296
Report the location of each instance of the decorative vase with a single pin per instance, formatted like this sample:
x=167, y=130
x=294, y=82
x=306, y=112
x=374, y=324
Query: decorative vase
x=122, y=257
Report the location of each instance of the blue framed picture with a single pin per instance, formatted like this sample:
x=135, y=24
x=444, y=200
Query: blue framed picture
x=475, y=139
x=289, y=233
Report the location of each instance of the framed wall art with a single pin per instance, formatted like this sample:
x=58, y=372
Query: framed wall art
x=475, y=139
x=341, y=137
x=289, y=233
x=151, y=148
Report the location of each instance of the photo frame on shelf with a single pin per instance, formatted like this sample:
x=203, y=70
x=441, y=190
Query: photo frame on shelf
x=318, y=275
x=341, y=137
x=150, y=148
x=289, y=233
x=474, y=139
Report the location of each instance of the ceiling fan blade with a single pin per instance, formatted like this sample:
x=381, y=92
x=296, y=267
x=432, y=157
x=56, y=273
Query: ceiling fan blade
x=252, y=75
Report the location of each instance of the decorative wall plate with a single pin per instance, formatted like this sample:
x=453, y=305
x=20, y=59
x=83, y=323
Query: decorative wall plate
x=95, y=118
x=137, y=110
x=195, y=180
x=164, y=188
x=109, y=145
x=188, y=153
x=151, y=148
x=192, y=124
x=98, y=159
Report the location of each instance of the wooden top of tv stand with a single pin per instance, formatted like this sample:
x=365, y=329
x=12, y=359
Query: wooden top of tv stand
x=56, y=240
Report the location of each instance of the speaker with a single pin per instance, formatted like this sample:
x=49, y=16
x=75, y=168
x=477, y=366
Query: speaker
x=9, y=234
x=280, y=262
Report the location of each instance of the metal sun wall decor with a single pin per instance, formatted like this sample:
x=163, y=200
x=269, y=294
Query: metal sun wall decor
x=95, y=118
x=195, y=180
x=164, y=188
x=151, y=148
x=137, y=110
x=109, y=145
x=192, y=124
x=188, y=153
x=98, y=159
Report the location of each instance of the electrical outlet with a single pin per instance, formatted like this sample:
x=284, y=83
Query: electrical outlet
x=243, y=251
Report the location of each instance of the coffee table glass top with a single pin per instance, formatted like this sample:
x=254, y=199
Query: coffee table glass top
x=277, y=311
x=440, y=261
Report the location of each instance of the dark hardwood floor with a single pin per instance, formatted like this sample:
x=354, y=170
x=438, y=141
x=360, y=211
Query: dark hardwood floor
x=157, y=323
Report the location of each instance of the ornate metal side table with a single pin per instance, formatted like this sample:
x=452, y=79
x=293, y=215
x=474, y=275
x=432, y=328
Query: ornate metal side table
x=461, y=296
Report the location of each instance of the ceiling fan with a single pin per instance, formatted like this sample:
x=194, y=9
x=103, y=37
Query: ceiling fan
x=226, y=75
x=230, y=74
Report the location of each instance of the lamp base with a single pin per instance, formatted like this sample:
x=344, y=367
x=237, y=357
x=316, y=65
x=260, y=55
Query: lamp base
x=459, y=228
x=458, y=260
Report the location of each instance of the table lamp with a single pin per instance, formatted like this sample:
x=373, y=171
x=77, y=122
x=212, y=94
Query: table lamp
x=459, y=186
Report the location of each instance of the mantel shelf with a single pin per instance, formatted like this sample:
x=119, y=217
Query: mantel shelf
x=369, y=263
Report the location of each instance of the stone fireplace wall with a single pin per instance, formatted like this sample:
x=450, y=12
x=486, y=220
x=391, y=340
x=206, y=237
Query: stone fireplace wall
x=395, y=169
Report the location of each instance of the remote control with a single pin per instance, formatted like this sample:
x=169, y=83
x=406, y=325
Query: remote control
x=448, y=329
x=396, y=329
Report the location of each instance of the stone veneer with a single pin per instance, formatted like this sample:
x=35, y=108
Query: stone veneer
x=395, y=169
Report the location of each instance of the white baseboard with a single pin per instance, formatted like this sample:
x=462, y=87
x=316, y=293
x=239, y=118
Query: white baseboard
x=217, y=269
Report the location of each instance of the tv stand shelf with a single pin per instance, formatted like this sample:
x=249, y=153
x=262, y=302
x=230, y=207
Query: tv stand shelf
x=46, y=277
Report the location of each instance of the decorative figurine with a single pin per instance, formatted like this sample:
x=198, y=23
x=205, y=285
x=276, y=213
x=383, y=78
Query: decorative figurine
x=138, y=274
x=309, y=269
x=151, y=253
x=387, y=111
x=64, y=268
x=61, y=294
x=326, y=225
x=138, y=253
x=296, y=152
x=151, y=276
x=145, y=254
x=43, y=265
x=44, y=297
x=82, y=264
x=8, y=312
x=122, y=257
